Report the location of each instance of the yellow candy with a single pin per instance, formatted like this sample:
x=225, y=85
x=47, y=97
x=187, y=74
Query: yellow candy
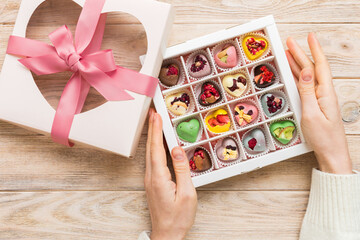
x=218, y=128
x=258, y=54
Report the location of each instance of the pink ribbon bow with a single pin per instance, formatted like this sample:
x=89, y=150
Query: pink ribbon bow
x=91, y=67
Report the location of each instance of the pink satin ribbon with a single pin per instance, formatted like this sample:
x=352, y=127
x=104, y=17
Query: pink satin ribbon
x=91, y=67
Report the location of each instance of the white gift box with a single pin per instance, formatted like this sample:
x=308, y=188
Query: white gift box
x=104, y=127
x=286, y=84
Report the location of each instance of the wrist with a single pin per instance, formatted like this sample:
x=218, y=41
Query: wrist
x=166, y=236
x=335, y=164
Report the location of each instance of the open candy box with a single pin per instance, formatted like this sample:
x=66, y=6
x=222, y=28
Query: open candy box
x=229, y=99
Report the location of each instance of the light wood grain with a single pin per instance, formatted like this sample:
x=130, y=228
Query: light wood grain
x=226, y=11
x=51, y=192
x=123, y=215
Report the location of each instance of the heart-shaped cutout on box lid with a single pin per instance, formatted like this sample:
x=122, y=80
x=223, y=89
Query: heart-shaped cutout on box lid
x=254, y=46
x=104, y=126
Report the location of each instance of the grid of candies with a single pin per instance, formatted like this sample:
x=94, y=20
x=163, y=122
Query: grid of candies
x=228, y=103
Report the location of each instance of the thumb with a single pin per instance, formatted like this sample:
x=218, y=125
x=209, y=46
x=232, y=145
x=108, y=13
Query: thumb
x=306, y=87
x=182, y=169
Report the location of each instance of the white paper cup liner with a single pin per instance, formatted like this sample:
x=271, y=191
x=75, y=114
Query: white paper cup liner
x=191, y=107
x=256, y=34
x=217, y=48
x=272, y=68
x=281, y=94
x=190, y=154
x=181, y=73
x=197, y=91
x=212, y=134
x=250, y=102
x=248, y=84
x=201, y=130
x=191, y=56
x=267, y=140
x=227, y=162
x=293, y=141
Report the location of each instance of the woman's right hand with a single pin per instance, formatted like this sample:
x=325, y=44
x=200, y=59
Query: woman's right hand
x=321, y=119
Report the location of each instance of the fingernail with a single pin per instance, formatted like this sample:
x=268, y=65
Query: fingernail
x=307, y=76
x=150, y=112
x=178, y=154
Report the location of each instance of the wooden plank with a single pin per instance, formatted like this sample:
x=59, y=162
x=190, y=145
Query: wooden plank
x=123, y=215
x=229, y=11
x=32, y=162
x=343, y=53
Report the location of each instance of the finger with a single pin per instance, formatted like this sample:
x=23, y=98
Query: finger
x=299, y=55
x=182, y=171
x=159, y=168
x=148, y=145
x=295, y=68
x=306, y=88
x=322, y=68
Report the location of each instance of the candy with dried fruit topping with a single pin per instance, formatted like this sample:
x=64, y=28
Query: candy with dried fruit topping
x=235, y=84
x=245, y=113
x=178, y=103
x=218, y=121
x=199, y=66
x=264, y=77
x=210, y=94
x=200, y=161
x=255, y=142
x=228, y=150
x=169, y=75
x=226, y=57
x=254, y=46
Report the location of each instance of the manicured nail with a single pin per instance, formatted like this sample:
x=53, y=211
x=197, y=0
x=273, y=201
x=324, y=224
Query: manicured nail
x=178, y=154
x=307, y=75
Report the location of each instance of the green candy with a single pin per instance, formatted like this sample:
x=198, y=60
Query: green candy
x=283, y=131
x=188, y=131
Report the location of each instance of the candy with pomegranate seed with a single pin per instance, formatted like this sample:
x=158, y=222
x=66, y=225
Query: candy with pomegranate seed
x=200, y=160
x=210, y=94
x=254, y=141
x=254, y=46
x=178, y=103
x=226, y=57
x=235, y=84
x=264, y=76
x=169, y=75
x=218, y=121
x=199, y=66
x=245, y=113
x=272, y=104
x=228, y=150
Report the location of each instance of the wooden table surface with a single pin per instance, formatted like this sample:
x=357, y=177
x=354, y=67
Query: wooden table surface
x=51, y=192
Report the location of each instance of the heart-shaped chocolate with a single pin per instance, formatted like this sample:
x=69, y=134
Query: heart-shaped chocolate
x=255, y=142
x=245, y=113
x=200, y=161
x=235, y=84
x=169, y=75
x=188, y=130
x=272, y=104
x=218, y=121
x=226, y=57
x=254, y=47
x=263, y=76
x=210, y=94
x=178, y=103
x=228, y=150
x=283, y=131
x=199, y=66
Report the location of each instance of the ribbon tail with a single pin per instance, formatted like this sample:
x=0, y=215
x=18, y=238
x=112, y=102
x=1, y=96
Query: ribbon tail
x=28, y=48
x=95, y=44
x=85, y=88
x=66, y=111
x=135, y=82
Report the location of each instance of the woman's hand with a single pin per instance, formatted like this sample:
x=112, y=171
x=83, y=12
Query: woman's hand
x=172, y=205
x=321, y=120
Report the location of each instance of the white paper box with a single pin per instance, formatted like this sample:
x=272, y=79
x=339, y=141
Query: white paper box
x=266, y=24
x=104, y=127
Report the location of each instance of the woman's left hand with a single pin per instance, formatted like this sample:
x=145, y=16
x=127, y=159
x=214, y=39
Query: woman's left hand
x=172, y=205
